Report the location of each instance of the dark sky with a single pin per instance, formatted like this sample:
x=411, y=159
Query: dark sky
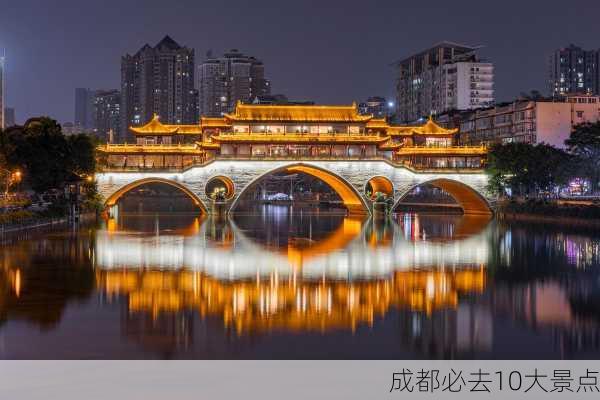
x=326, y=51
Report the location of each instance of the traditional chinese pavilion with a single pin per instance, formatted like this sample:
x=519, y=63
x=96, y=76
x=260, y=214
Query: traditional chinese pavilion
x=293, y=131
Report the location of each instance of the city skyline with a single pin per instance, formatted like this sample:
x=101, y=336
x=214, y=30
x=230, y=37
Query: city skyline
x=342, y=64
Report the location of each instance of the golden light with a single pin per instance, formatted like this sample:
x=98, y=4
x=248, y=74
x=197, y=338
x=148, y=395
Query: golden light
x=18, y=283
x=351, y=199
x=307, y=305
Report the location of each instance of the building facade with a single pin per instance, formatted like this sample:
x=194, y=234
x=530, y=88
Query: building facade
x=107, y=114
x=223, y=81
x=376, y=106
x=9, y=117
x=526, y=121
x=69, y=128
x=574, y=70
x=84, y=109
x=2, y=92
x=158, y=80
x=447, y=76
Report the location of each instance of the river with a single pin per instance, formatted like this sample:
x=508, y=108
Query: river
x=301, y=285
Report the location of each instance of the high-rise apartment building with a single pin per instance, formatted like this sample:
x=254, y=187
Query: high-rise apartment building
x=377, y=106
x=574, y=70
x=2, y=92
x=84, y=109
x=223, y=81
x=448, y=76
x=107, y=114
x=9, y=117
x=158, y=80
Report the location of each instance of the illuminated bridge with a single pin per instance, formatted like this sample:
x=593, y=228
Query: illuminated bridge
x=356, y=155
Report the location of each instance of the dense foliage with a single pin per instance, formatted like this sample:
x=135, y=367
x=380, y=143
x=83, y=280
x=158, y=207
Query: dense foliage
x=528, y=170
x=584, y=143
x=47, y=157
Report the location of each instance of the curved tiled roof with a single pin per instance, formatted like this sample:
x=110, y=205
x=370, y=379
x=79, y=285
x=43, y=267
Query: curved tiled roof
x=300, y=113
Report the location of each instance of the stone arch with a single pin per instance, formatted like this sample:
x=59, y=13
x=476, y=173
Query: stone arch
x=113, y=198
x=380, y=183
x=470, y=200
x=224, y=181
x=353, y=200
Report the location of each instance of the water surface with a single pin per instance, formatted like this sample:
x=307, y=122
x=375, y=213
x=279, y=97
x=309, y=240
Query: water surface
x=287, y=284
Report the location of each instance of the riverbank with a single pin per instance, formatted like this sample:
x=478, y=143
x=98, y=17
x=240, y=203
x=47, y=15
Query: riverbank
x=35, y=222
x=550, y=212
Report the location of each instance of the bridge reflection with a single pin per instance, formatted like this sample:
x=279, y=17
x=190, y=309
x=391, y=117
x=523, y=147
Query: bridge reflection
x=355, y=250
x=348, y=278
x=272, y=303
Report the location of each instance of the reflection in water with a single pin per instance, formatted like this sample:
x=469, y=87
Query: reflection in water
x=290, y=304
x=263, y=286
x=354, y=249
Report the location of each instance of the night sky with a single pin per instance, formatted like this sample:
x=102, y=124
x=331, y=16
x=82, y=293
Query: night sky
x=326, y=51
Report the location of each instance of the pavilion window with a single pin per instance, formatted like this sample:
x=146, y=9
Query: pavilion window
x=259, y=150
x=354, y=151
x=438, y=142
x=258, y=129
x=241, y=128
x=354, y=130
x=278, y=151
x=323, y=150
x=276, y=129
x=293, y=129
x=299, y=151
x=338, y=151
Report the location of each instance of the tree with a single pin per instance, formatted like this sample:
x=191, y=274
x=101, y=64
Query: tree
x=82, y=154
x=527, y=169
x=45, y=154
x=584, y=142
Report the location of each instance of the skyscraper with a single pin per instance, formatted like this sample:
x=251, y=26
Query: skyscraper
x=84, y=109
x=158, y=80
x=574, y=70
x=377, y=106
x=447, y=76
x=2, y=92
x=9, y=117
x=223, y=81
x=107, y=114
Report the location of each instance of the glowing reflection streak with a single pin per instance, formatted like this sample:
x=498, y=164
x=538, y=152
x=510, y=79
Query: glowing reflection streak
x=246, y=259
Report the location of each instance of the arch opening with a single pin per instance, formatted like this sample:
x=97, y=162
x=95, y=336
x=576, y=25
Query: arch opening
x=219, y=183
x=334, y=190
x=447, y=195
x=379, y=184
x=156, y=195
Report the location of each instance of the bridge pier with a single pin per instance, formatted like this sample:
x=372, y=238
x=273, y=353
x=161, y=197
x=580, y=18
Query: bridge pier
x=219, y=209
x=113, y=211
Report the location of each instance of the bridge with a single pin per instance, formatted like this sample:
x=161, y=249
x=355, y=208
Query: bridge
x=356, y=155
